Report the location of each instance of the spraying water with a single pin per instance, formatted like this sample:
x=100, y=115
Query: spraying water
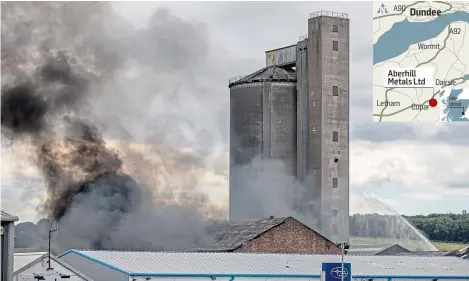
x=387, y=226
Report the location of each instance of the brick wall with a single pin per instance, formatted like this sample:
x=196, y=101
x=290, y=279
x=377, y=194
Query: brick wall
x=290, y=237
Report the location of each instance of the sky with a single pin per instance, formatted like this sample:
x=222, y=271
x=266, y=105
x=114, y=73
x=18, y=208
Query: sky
x=413, y=168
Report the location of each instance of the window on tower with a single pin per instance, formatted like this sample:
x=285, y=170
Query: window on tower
x=335, y=213
x=335, y=182
x=335, y=90
x=335, y=45
x=335, y=28
x=335, y=136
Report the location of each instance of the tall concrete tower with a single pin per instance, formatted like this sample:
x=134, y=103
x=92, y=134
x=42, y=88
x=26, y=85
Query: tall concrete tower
x=316, y=148
x=327, y=173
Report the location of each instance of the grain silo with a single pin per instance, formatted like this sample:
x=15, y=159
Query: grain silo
x=305, y=124
x=262, y=121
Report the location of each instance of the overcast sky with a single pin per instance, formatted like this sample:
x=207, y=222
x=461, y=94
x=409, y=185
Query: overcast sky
x=414, y=168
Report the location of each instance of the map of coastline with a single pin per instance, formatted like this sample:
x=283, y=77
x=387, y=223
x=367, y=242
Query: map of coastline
x=421, y=61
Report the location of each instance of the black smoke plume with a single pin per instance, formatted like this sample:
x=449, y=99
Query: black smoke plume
x=74, y=161
x=66, y=89
x=81, y=75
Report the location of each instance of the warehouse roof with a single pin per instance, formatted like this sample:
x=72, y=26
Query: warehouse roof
x=429, y=254
x=23, y=261
x=7, y=217
x=265, y=265
x=463, y=253
x=394, y=249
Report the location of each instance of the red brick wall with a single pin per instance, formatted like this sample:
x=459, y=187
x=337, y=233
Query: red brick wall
x=290, y=237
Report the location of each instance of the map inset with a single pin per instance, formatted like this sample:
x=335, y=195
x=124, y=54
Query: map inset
x=421, y=61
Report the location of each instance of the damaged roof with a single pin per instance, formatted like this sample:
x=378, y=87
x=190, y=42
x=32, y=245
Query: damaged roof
x=231, y=235
x=271, y=73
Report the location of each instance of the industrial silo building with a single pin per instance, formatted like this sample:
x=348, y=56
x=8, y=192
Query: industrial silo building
x=262, y=124
x=296, y=110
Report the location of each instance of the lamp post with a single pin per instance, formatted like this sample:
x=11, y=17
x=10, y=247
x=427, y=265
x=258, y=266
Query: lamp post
x=50, y=234
x=343, y=248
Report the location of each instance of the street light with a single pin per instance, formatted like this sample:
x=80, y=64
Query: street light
x=50, y=233
x=343, y=248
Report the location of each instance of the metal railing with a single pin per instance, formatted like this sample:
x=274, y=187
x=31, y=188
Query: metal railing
x=235, y=79
x=328, y=14
x=263, y=77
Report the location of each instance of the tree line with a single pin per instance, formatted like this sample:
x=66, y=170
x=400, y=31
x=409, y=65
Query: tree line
x=436, y=227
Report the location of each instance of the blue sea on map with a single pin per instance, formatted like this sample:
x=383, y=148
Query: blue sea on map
x=454, y=108
x=405, y=33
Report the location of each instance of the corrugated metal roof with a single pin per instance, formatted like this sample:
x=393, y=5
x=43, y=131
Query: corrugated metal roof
x=7, y=217
x=227, y=264
x=25, y=260
x=22, y=259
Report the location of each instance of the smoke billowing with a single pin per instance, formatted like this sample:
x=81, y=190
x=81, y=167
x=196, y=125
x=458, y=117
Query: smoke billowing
x=72, y=72
x=71, y=154
x=124, y=125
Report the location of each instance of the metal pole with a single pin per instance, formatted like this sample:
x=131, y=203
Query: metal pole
x=50, y=231
x=342, y=272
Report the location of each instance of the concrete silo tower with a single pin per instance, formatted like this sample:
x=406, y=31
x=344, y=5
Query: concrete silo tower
x=328, y=121
x=318, y=114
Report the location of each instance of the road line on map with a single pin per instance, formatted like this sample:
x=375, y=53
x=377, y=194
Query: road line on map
x=420, y=64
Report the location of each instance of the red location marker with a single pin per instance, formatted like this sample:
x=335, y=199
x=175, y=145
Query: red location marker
x=432, y=102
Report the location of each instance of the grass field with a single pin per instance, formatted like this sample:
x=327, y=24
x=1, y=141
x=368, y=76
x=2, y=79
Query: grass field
x=411, y=245
x=449, y=246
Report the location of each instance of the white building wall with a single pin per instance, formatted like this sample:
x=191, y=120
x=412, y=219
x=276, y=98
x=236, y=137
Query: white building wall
x=7, y=245
x=40, y=268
